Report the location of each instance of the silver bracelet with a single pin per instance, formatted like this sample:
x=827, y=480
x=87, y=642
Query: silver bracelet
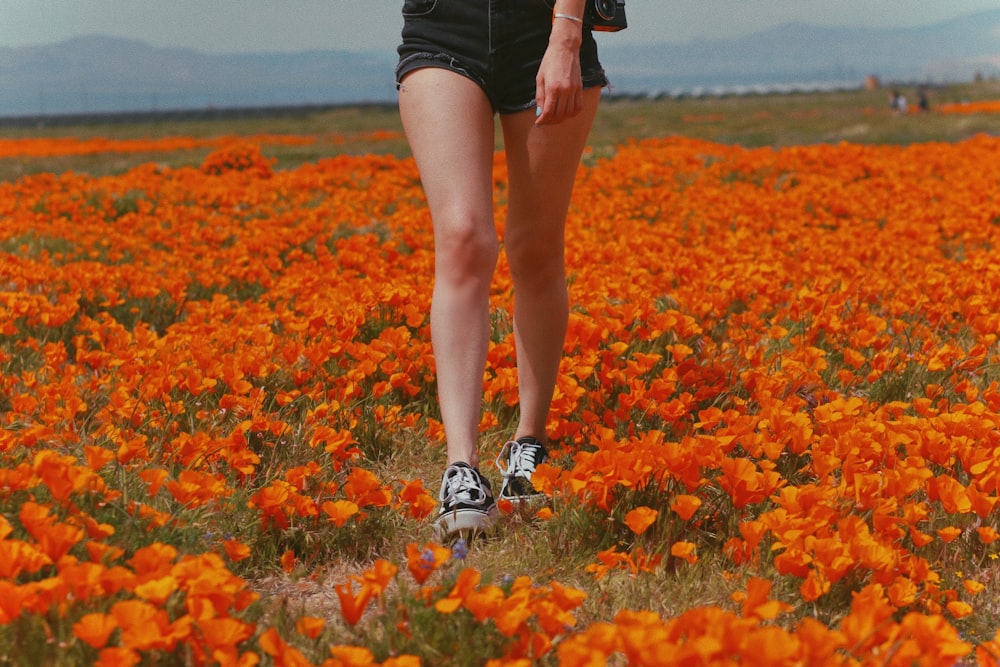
x=570, y=17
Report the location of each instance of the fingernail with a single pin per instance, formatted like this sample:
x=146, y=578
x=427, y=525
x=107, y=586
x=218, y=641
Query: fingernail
x=538, y=111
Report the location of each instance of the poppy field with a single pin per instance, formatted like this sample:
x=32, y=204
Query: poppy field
x=776, y=431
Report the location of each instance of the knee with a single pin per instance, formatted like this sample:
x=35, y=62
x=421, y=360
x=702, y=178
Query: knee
x=464, y=249
x=534, y=263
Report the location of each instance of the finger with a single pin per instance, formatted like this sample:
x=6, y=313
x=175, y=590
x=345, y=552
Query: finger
x=540, y=103
x=550, y=111
x=554, y=112
x=541, y=117
x=559, y=109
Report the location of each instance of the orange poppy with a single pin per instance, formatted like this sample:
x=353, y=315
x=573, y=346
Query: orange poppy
x=641, y=518
x=340, y=511
x=422, y=563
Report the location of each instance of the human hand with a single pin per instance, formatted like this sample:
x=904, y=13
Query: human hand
x=559, y=83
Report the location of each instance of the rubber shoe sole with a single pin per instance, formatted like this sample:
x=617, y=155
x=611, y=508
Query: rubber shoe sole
x=465, y=521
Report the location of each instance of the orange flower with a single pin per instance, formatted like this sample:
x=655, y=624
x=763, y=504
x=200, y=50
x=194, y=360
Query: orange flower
x=757, y=603
x=340, y=511
x=153, y=561
x=484, y=603
x=959, y=609
x=17, y=557
x=272, y=497
x=97, y=457
x=12, y=598
x=685, y=505
x=422, y=563
x=95, y=629
x=339, y=443
x=288, y=560
x=972, y=587
x=236, y=550
x=902, y=592
x=117, y=657
x=271, y=500
x=364, y=488
x=466, y=582
x=641, y=518
x=154, y=478
x=310, y=626
x=61, y=474
x=684, y=551
x=609, y=558
x=56, y=539
x=240, y=156
x=157, y=591
x=142, y=625
x=865, y=625
x=283, y=654
x=195, y=488
x=419, y=501
x=402, y=661
x=352, y=607
x=951, y=494
x=949, y=534
x=353, y=656
x=931, y=640
x=988, y=534
x=225, y=633
x=742, y=480
x=516, y=609
x=566, y=597
x=377, y=577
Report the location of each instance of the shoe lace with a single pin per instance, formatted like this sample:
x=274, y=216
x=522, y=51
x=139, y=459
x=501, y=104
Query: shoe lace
x=521, y=456
x=462, y=484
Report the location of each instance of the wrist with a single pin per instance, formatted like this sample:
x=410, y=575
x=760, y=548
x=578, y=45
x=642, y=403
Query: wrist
x=566, y=32
x=564, y=16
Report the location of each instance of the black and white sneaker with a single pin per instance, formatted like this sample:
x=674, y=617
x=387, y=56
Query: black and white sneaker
x=467, y=503
x=517, y=461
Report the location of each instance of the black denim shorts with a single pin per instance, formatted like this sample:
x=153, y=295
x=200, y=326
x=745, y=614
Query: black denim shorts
x=498, y=44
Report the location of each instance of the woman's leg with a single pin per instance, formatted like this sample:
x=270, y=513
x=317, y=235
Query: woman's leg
x=448, y=122
x=542, y=164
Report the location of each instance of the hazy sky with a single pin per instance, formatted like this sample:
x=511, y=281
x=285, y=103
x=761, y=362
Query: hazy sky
x=232, y=26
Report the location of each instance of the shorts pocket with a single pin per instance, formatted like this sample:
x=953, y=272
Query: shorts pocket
x=416, y=8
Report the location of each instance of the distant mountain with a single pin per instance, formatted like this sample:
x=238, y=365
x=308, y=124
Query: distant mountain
x=98, y=74
x=801, y=53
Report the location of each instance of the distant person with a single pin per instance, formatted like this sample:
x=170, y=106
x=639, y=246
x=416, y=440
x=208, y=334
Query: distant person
x=897, y=102
x=923, y=102
x=460, y=64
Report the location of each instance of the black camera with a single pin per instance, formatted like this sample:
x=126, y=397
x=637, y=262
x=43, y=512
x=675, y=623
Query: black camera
x=605, y=15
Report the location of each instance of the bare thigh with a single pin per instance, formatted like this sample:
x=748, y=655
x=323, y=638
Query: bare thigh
x=449, y=125
x=542, y=164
